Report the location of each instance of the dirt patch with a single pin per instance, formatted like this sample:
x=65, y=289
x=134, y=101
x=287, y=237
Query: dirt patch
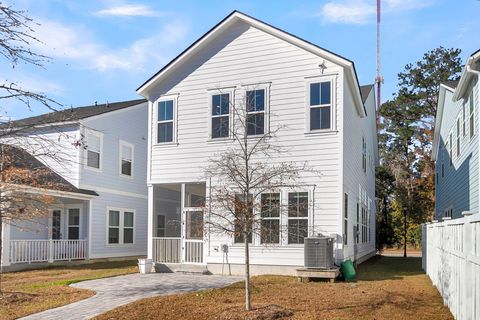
x=259, y=312
x=391, y=288
x=15, y=297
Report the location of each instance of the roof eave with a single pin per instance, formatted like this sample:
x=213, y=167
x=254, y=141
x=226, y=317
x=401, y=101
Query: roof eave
x=438, y=120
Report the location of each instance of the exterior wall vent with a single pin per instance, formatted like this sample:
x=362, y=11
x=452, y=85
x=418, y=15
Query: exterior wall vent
x=318, y=253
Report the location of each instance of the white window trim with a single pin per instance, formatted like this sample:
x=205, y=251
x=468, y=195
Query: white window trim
x=100, y=164
x=217, y=91
x=287, y=218
x=333, y=99
x=120, y=226
x=67, y=221
x=279, y=218
x=471, y=113
x=174, y=141
x=121, y=144
x=266, y=111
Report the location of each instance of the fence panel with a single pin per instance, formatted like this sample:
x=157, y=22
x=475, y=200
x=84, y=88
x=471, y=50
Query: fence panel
x=451, y=258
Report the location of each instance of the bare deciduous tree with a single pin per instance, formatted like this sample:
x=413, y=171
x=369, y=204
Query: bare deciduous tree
x=248, y=168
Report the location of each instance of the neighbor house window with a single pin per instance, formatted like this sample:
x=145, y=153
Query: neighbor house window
x=364, y=155
x=320, y=105
x=270, y=213
x=345, y=220
x=458, y=137
x=472, y=116
x=297, y=217
x=126, y=158
x=94, y=150
x=463, y=120
x=220, y=116
x=443, y=170
x=165, y=121
x=121, y=225
x=242, y=217
x=450, y=149
x=255, y=100
x=358, y=224
x=74, y=223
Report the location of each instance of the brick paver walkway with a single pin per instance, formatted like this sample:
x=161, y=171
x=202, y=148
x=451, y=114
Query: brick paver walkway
x=117, y=291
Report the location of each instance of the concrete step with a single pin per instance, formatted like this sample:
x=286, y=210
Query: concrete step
x=182, y=268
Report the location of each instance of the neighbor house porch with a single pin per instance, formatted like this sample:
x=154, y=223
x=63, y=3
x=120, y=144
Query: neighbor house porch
x=61, y=234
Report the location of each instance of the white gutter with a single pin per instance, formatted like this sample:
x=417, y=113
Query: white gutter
x=469, y=69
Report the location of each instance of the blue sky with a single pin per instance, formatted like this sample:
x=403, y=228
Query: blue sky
x=103, y=50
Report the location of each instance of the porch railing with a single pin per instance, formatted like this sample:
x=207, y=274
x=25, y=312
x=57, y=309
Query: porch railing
x=167, y=250
x=194, y=251
x=28, y=251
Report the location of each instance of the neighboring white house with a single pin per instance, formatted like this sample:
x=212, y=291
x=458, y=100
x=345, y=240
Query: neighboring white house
x=102, y=210
x=333, y=129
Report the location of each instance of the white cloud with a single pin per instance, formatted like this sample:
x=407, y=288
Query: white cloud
x=76, y=45
x=128, y=10
x=364, y=11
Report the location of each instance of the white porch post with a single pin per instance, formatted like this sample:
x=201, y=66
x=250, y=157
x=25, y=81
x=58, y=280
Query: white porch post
x=150, y=222
x=5, y=244
x=89, y=236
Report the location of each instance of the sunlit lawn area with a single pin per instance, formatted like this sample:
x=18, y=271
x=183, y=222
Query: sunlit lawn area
x=33, y=291
x=387, y=288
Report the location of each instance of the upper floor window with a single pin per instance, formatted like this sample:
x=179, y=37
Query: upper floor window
x=94, y=149
x=458, y=137
x=472, y=116
x=126, y=158
x=255, y=100
x=320, y=105
x=450, y=155
x=220, y=105
x=364, y=155
x=165, y=121
x=463, y=121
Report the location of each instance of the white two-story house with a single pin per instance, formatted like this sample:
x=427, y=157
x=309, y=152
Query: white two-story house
x=330, y=123
x=456, y=145
x=99, y=155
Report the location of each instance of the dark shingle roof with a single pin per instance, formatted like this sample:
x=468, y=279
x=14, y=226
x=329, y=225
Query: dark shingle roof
x=42, y=174
x=365, y=91
x=74, y=114
x=451, y=83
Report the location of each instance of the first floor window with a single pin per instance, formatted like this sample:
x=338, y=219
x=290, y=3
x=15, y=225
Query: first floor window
x=165, y=122
x=74, y=223
x=345, y=220
x=297, y=217
x=364, y=155
x=121, y=226
x=320, y=105
x=458, y=137
x=357, y=229
x=270, y=222
x=94, y=148
x=243, y=218
x=160, y=230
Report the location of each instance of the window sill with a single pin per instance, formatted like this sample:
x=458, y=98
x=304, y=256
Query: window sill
x=322, y=132
x=92, y=168
x=165, y=144
x=126, y=176
x=113, y=245
x=220, y=140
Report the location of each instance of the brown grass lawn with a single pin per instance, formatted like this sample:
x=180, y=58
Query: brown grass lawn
x=28, y=292
x=388, y=288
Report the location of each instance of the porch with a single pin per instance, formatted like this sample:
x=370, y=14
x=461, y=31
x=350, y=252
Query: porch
x=178, y=223
x=60, y=235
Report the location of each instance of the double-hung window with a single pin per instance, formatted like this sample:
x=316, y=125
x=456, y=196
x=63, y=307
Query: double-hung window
x=160, y=227
x=364, y=155
x=165, y=121
x=255, y=100
x=320, y=105
x=220, y=126
x=121, y=225
x=126, y=159
x=74, y=223
x=464, y=121
x=94, y=150
x=458, y=137
x=243, y=218
x=270, y=222
x=450, y=142
x=345, y=220
x=472, y=116
x=297, y=217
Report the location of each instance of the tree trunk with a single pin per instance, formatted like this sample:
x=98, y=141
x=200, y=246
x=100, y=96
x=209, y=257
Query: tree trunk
x=247, y=272
x=405, y=234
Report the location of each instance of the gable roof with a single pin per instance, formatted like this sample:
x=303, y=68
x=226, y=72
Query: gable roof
x=239, y=16
x=365, y=91
x=21, y=159
x=74, y=114
x=452, y=84
x=438, y=117
x=472, y=66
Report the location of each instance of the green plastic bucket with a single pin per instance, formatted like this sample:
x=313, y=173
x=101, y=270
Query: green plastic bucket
x=348, y=270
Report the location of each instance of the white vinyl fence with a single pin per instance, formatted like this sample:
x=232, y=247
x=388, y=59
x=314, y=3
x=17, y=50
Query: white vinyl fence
x=28, y=251
x=451, y=258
